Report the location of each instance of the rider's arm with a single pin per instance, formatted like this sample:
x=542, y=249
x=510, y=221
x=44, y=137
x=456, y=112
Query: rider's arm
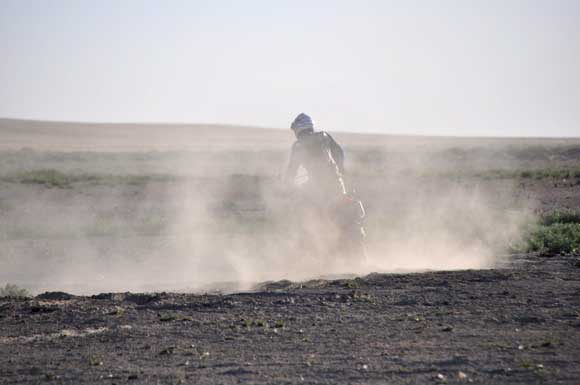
x=293, y=165
x=337, y=154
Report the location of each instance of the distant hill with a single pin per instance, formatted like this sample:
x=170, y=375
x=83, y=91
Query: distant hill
x=78, y=136
x=15, y=133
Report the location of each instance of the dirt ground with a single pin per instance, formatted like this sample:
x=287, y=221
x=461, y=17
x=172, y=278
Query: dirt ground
x=91, y=208
x=514, y=325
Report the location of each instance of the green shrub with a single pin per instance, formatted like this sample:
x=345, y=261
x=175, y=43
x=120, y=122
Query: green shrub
x=556, y=238
x=561, y=216
x=557, y=232
x=14, y=291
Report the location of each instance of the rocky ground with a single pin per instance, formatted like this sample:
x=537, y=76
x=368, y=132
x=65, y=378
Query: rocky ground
x=517, y=324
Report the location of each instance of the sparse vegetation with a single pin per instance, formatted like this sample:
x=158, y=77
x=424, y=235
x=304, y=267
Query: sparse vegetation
x=572, y=174
x=14, y=291
x=95, y=360
x=351, y=284
x=561, y=216
x=550, y=173
x=168, y=317
x=47, y=177
x=247, y=323
x=58, y=179
x=557, y=238
x=557, y=232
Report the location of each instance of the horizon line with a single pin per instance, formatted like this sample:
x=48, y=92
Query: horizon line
x=367, y=133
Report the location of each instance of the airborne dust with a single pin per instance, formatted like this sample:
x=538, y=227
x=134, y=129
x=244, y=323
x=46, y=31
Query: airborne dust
x=161, y=217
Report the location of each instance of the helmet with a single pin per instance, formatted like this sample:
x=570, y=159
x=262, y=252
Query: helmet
x=302, y=122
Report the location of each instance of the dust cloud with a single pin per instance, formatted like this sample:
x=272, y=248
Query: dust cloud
x=244, y=230
x=412, y=224
x=200, y=219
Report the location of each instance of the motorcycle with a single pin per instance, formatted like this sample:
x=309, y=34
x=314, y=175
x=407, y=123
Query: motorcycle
x=332, y=228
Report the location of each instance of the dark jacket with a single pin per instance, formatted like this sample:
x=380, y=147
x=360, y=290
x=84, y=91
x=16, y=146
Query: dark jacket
x=322, y=158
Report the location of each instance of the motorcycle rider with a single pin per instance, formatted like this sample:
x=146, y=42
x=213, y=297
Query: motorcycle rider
x=325, y=199
x=321, y=157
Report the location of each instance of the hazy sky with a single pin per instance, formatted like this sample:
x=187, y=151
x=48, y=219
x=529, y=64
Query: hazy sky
x=446, y=67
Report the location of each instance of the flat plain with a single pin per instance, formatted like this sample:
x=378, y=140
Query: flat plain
x=160, y=254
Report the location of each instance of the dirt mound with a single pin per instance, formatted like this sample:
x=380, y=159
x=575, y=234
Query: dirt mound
x=55, y=296
x=139, y=299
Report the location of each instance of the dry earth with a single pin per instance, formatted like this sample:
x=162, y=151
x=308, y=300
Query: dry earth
x=517, y=323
